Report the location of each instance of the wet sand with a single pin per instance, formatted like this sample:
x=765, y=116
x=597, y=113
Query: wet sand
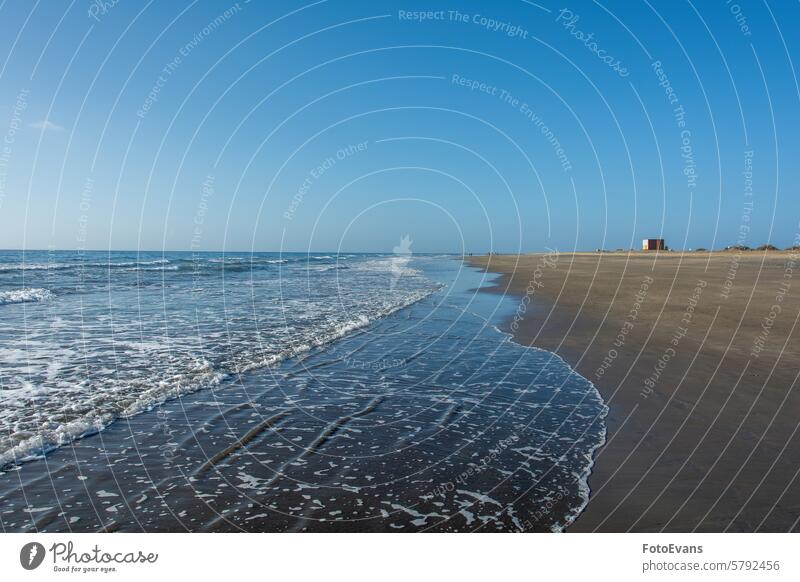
x=697, y=356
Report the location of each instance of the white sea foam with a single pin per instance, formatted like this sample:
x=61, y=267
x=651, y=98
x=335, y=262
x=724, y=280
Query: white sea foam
x=584, y=490
x=336, y=332
x=159, y=268
x=76, y=372
x=11, y=267
x=25, y=295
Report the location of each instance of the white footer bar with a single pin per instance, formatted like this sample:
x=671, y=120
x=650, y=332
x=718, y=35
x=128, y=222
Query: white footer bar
x=425, y=557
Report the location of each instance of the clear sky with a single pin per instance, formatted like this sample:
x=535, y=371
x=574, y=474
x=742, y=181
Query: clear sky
x=345, y=125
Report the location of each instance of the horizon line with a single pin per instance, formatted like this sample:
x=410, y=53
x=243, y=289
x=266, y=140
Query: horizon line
x=58, y=250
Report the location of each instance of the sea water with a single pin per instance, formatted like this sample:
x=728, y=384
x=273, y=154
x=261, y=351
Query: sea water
x=307, y=391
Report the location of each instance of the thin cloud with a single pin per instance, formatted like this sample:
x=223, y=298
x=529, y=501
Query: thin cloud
x=46, y=125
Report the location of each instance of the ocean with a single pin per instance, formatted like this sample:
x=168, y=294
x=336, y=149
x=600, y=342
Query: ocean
x=279, y=392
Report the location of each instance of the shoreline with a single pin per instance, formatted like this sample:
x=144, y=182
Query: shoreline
x=696, y=422
x=571, y=515
x=279, y=448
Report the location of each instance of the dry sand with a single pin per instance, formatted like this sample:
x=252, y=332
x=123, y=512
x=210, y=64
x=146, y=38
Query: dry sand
x=704, y=402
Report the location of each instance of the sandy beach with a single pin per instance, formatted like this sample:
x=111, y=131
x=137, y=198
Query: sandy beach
x=697, y=357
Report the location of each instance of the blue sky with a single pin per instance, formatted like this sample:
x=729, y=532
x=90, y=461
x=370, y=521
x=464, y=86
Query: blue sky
x=346, y=125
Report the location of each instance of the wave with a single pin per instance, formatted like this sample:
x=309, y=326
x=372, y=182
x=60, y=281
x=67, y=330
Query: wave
x=12, y=267
x=31, y=446
x=132, y=263
x=584, y=490
x=183, y=264
x=25, y=295
x=195, y=264
x=338, y=332
x=142, y=394
x=252, y=261
x=162, y=268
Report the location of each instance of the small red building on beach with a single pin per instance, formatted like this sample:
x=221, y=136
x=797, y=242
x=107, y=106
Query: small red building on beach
x=653, y=244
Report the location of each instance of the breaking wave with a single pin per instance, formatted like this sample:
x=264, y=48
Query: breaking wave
x=26, y=295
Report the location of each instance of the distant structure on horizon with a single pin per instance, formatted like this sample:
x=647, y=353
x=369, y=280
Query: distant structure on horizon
x=653, y=244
